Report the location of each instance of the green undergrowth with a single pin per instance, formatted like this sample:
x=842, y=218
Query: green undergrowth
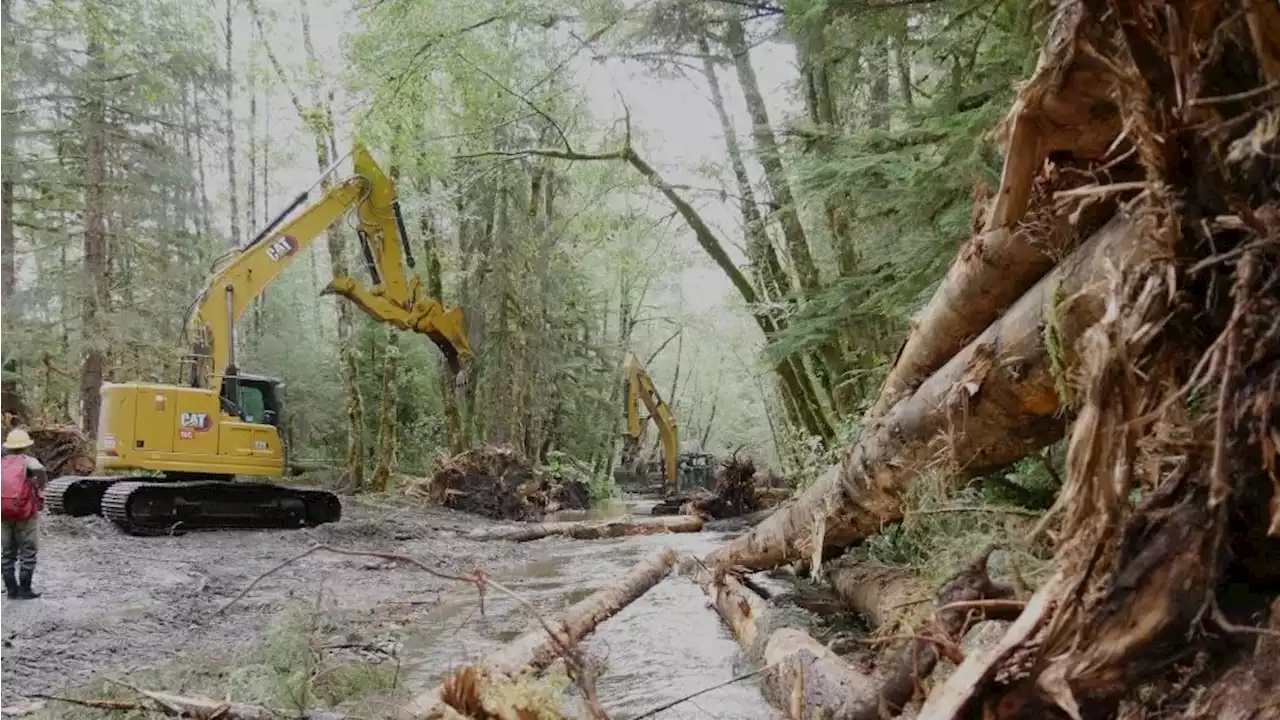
x=945, y=529
x=295, y=666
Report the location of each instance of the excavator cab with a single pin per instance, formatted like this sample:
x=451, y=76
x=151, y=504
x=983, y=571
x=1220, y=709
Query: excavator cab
x=259, y=399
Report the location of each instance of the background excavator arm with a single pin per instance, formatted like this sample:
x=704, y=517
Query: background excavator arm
x=395, y=297
x=640, y=389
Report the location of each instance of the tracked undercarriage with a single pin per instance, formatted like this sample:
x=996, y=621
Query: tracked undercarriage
x=155, y=506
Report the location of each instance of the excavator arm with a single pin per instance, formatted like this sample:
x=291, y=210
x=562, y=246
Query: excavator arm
x=640, y=389
x=394, y=297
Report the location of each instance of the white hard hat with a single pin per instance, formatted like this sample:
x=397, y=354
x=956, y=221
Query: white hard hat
x=18, y=440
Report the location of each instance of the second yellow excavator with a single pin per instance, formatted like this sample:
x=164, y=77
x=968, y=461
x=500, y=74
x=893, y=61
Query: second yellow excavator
x=680, y=469
x=192, y=440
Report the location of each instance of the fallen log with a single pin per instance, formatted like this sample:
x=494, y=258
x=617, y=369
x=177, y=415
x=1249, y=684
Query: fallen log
x=537, y=649
x=1064, y=110
x=738, y=523
x=805, y=679
x=592, y=529
x=993, y=403
x=878, y=593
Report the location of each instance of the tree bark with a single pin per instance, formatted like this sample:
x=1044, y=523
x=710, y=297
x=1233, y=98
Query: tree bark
x=774, y=283
x=1063, y=108
x=96, y=263
x=387, y=418
x=536, y=650
x=878, y=593
x=229, y=119
x=771, y=159
x=993, y=403
x=8, y=248
x=772, y=278
x=435, y=288
x=592, y=529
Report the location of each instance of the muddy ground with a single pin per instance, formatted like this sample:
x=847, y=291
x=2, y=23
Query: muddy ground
x=114, y=603
x=122, y=607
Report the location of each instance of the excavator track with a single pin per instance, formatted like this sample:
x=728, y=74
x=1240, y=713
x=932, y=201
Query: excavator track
x=139, y=507
x=77, y=496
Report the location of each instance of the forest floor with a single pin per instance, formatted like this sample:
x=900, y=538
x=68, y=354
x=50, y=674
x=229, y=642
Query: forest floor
x=330, y=630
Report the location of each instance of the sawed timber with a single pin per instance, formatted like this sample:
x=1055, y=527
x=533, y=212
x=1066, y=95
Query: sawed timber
x=536, y=650
x=993, y=403
x=592, y=529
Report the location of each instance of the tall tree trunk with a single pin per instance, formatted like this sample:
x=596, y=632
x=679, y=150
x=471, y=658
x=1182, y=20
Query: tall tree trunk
x=8, y=261
x=317, y=121
x=97, y=284
x=387, y=420
x=902, y=61
x=772, y=277
x=830, y=366
x=206, y=212
x=251, y=211
x=435, y=288
x=774, y=281
x=878, y=66
x=230, y=119
x=771, y=159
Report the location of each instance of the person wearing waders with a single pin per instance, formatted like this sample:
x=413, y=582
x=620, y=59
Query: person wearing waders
x=22, y=479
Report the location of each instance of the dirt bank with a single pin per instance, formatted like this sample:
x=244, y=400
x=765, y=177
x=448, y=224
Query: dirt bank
x=113, y=604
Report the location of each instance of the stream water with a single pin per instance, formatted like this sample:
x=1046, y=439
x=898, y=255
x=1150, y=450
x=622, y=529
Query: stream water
x=667, y=645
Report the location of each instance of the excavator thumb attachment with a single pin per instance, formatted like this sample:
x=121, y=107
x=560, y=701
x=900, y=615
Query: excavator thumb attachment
x=449, y=329
x=471, y=323
x=456, y=332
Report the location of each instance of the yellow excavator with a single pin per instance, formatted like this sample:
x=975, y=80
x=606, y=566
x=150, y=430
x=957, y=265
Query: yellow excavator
x=639, y=388
x=190, y=441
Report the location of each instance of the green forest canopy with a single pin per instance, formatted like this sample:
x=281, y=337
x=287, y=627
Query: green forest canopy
x=763, y=191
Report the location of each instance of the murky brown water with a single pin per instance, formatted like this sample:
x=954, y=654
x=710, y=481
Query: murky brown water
x=665, y=646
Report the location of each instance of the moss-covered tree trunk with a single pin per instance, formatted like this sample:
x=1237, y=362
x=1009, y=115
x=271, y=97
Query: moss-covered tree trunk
x=97, y=286
x=386, y=455
x=9, y=122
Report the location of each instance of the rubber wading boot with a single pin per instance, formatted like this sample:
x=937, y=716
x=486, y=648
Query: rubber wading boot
x=24, y=586
x=10, y=585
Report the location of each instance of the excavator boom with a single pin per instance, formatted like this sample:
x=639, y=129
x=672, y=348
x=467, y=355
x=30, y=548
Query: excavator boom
x=223, y=423
x=640, y=389
x=394, y=297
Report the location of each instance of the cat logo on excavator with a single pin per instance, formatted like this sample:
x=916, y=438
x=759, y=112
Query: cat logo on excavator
x=282, y=247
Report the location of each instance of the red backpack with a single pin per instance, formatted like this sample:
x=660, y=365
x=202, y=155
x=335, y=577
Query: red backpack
x=18, y=499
